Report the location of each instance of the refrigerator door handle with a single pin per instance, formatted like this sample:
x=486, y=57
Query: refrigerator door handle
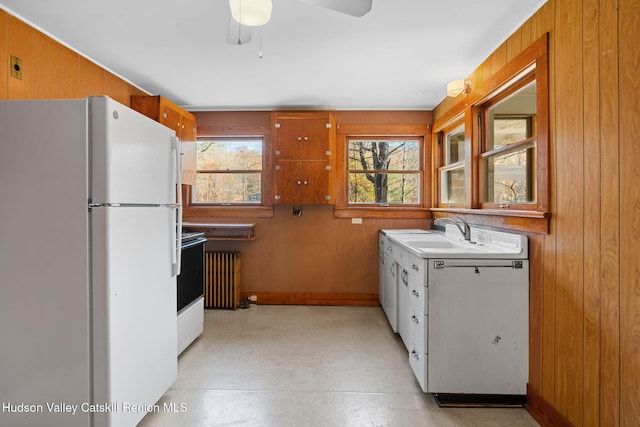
x=177, y=234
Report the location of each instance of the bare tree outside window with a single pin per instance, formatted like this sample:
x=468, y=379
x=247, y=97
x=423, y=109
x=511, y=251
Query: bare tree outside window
x=384, y=171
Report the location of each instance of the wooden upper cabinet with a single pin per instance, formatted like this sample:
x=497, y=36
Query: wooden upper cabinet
x=176, y=118
x=303, y=136
x=304, y=157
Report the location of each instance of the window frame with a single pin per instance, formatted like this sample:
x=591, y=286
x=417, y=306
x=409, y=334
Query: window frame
x=420, y=171
x=443, y=166
x=229, y=171
x=486, y=152
x=343, y=209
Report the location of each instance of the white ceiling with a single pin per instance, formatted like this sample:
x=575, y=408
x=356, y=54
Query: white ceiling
x=399, y=56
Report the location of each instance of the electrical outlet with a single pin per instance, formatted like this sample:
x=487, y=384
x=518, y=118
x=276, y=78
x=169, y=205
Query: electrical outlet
x=356, y=220
x=16, y=67
x=253, y=298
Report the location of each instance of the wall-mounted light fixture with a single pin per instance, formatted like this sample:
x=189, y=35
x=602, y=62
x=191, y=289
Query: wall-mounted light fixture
x=457, y=87
x=251, y=13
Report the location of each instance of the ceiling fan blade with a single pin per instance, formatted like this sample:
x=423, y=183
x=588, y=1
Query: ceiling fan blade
x=237, y=33
x=357, y=8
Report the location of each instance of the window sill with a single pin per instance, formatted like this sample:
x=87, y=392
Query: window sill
x=203, y=212
x=382, y=212
x=530, y=221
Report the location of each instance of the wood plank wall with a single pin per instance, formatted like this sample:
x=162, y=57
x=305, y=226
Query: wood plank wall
x=51, y=70
x=585, y=280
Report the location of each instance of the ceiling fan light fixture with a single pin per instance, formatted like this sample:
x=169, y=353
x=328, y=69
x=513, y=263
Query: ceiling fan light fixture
x=252, y=13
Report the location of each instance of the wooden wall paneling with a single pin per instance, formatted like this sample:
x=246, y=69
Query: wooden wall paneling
x=117, y=89
x=514, y=44
x=313, y=253
x=570, y=206
x=20, y=43
x=610, y=216
x=550, y=241
x=47, y=68
x=542, y=20
x=499, y=58
x=527, y=36
x=4, y=61
x=591, y=208
x=70, y=74
x=91, y=78
x=629, y=23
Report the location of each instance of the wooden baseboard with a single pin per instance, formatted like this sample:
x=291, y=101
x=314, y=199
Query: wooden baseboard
x=306, y=298
x=543, y=412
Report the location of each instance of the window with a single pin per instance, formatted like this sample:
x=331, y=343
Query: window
x=452, y=173
x=509, y=147
x=505, y=124
x=384, y=170
x=228, y=171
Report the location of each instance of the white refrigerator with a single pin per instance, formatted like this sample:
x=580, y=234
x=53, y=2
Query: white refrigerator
x=89, y=254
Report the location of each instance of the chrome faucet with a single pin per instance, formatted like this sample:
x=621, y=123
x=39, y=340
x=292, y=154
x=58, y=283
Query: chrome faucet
x=466, y=233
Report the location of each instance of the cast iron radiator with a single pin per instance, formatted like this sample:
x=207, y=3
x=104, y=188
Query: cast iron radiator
x=222, y=279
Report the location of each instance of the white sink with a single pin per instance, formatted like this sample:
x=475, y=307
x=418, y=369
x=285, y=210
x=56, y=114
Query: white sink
x=450, y=244
x=432, y=244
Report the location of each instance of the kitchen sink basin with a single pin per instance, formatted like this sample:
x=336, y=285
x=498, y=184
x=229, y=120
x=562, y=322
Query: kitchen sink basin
x=483, y=244
x=432, y=244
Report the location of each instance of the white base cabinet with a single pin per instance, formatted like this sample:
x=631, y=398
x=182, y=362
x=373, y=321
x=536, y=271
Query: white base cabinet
x=464, y=321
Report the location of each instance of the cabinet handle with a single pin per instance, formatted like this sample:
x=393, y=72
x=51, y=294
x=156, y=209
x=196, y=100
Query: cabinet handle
x=299, y=138
x=415, y=267
x=299, y=182
x=415, y=319
x=415, y=293
x=415, y=354
x=306, y=182
x=306, y=138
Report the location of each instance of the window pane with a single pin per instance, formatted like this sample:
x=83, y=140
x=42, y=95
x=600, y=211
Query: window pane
x=509, y=177
x=392, y=188
x=227, y=188
x=384, y=155
x=454, y=146
x=452, y=186
x=513, y=119
x=221, y=154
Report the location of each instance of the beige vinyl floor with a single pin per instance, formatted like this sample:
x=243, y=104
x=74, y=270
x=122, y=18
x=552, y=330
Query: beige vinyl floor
x=281, y=366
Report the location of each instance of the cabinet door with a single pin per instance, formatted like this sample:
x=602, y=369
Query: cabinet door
x=315, y=139
x=170, y=118
x=188, y=143
x=315, y=182
x=287, y=176
x=289, y=139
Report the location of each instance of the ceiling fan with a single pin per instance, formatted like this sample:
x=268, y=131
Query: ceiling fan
x=246, y=14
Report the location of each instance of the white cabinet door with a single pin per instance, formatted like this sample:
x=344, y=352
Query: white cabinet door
x=478, y=327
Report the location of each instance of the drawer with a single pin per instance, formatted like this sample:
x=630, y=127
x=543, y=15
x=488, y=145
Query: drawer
x=418, y=294
x=418, y=363
x=416, y=267
x=418, y=329
x=392, y=249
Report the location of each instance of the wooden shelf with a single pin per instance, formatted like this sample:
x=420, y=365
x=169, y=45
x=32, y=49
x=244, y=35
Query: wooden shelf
x=223, y=231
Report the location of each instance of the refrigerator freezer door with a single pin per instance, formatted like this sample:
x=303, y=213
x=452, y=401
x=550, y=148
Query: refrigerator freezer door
x=133, y=160
x=134, y=316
